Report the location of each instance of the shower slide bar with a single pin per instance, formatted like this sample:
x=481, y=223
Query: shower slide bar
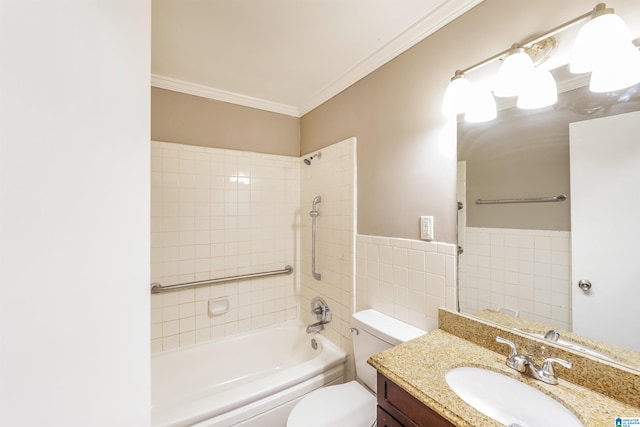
x=560, y=198
x=157, y=287
x=314, y=216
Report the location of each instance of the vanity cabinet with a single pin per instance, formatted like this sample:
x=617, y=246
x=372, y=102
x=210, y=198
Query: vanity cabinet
x=397, y=408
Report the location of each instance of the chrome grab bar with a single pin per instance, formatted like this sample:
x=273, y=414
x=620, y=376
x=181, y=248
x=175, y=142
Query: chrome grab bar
x=157, y=287
x=560, y=198
x=314, y=214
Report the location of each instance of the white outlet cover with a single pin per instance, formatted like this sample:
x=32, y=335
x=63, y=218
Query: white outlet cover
x=426, y=227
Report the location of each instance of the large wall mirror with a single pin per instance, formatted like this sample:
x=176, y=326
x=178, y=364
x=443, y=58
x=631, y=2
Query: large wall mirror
x=548, y=228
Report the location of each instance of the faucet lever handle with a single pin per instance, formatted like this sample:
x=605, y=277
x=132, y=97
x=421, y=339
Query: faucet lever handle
x=547, y=367
x=514, y=360
x=514, y=351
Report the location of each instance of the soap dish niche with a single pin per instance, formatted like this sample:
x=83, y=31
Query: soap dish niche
x=218, y=306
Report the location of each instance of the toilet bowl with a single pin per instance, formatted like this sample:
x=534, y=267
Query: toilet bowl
x=348, y=405
x=353, y=404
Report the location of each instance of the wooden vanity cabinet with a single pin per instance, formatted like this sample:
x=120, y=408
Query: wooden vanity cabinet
x=397, y=408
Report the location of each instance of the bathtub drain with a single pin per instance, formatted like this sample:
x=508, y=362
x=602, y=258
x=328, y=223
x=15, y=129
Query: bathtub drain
x=314, y=344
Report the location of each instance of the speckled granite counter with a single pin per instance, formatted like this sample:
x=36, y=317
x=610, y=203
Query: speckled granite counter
x=419, y=367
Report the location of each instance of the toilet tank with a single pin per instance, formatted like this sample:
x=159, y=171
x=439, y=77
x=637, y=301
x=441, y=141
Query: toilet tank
x=377, y=332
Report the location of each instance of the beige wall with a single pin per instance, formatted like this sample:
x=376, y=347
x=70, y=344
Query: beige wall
x=405, y=165
x=395, y=114
x=187, y=119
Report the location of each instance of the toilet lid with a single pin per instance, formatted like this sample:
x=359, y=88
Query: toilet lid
x=347, y=404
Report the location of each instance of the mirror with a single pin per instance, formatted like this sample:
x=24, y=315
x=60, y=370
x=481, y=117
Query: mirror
x=516, y=261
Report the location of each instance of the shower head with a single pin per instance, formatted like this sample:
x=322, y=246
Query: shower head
x=307, y=161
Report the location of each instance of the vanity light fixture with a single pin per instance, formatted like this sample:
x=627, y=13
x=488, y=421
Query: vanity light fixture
x=603, y=47
x=457, y=94
x=541, y=91
x=481, y=105
x=514, y=73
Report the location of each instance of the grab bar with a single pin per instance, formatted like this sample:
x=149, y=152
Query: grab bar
x=314, y=214
x=560, y=198
x=157, y=287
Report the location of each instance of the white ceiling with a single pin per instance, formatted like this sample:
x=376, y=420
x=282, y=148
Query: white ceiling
x=286, y=56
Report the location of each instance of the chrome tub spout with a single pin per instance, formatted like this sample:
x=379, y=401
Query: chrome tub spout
x=316, y=327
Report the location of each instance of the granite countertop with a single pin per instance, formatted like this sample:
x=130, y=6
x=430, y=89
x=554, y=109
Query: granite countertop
x=419, y=367
x=616, y=353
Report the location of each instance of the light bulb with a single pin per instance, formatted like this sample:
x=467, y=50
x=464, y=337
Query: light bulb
x=456, y=96
x=603, y=32
x=619, y=69
x=482, y=106
x=541, y=91
x=513, y=73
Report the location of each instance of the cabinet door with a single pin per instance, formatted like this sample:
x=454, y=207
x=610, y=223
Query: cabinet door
x=386, y=420
x=405, y=409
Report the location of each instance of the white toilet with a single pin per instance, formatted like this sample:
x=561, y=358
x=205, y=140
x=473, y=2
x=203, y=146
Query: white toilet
x=354, y=404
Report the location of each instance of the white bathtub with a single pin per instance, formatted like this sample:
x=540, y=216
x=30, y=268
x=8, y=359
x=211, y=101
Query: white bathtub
x=246, y=380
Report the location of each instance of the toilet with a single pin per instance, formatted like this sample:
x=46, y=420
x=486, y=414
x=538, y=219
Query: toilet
x=353, y=404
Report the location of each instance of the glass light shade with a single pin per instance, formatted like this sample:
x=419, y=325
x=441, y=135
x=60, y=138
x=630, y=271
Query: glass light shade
x=482, y=106
x=595, y=39
x=456, y=96
x=513, y=73
x=619, y=69
x=541, y=91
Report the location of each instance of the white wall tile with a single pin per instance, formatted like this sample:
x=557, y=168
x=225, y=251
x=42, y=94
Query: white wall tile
x=210, y=211
x=332, y=176
x=418, y=278
x=530, y=272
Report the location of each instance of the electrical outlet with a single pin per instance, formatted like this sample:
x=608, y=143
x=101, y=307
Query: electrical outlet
x=426, y=227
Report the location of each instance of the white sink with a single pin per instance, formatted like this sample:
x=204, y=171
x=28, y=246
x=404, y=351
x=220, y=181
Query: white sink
x=508, y=400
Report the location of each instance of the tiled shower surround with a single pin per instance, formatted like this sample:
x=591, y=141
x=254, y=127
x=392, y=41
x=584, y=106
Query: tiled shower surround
x=524, y=270
x=332, y=176
x=218, y=213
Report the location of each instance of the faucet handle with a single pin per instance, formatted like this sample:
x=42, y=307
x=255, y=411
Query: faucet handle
x=514, y=351
x=514, y=360
x=547, y=367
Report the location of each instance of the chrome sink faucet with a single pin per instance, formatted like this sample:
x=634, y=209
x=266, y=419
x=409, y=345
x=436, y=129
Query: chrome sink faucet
x=525, y=364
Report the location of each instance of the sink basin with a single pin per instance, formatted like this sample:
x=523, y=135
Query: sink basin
x=508, y=400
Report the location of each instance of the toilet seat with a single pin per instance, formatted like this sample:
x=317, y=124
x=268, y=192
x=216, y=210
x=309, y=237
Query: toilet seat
x=349, y=404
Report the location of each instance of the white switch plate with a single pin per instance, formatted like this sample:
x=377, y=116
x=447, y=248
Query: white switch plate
x=426, y=227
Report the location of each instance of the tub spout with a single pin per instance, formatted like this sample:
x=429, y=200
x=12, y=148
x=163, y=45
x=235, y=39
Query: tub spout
x=316, y=327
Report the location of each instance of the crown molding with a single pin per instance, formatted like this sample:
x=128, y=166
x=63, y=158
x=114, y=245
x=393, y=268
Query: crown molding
x=445, y=13
x=441, y=16
x=182, y=86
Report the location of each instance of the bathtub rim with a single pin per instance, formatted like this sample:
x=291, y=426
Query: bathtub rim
x=207, y=407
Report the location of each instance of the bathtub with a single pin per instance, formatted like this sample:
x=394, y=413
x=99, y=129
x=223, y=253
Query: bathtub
x=250, y=380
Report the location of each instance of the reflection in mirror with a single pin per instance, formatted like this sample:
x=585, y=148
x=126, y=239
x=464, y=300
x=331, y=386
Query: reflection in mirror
x=516, y=262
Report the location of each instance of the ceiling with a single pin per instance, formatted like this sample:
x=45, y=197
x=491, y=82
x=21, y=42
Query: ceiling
x=285, y=56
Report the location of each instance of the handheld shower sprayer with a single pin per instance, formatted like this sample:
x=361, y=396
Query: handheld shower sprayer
x=307, y=161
